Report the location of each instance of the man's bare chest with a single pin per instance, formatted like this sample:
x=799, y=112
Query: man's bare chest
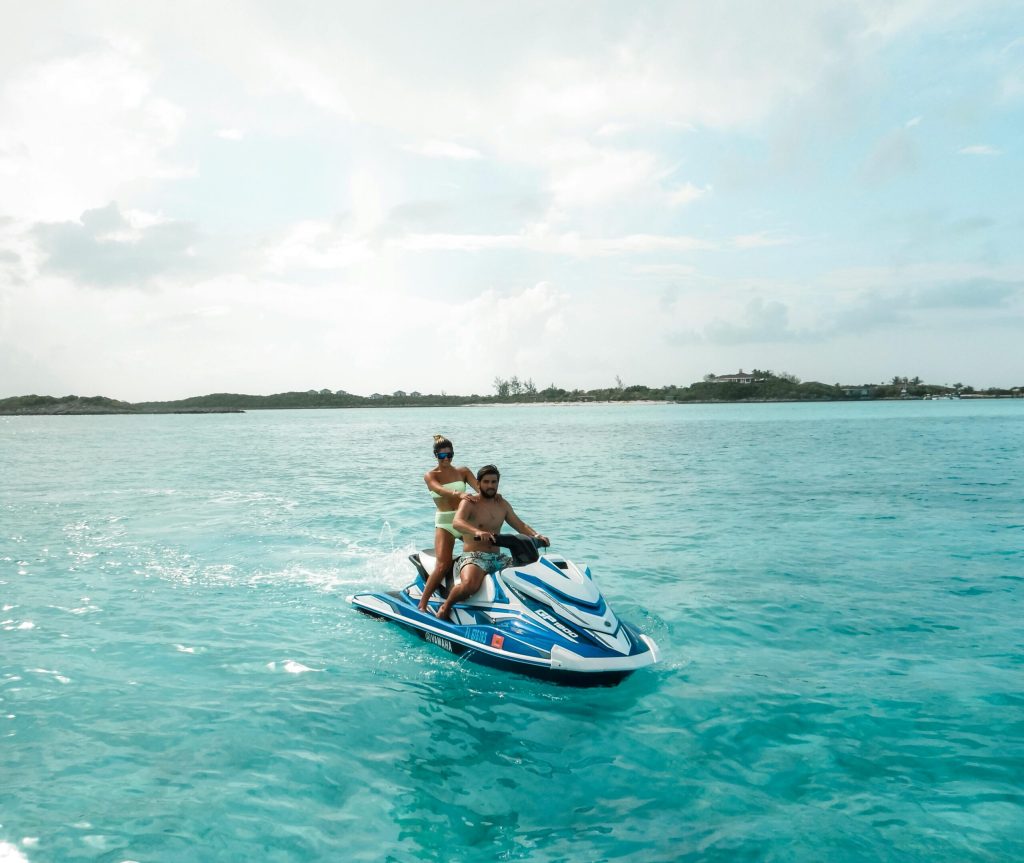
x=490, y=516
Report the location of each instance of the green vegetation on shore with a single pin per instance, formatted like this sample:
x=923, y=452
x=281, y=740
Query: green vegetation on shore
x=763, y=386
x=55, y=405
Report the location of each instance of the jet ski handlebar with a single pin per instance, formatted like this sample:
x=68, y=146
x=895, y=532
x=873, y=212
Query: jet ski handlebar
x=524, y=549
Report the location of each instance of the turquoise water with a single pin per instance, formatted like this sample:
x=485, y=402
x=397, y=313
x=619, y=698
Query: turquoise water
x=837, y=591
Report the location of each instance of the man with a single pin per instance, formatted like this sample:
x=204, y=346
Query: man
x=478, y=519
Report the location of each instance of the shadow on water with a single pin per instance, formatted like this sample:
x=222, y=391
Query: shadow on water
x=505, y=767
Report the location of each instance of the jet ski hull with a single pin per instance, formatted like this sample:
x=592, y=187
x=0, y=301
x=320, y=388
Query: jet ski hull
x=532, y=633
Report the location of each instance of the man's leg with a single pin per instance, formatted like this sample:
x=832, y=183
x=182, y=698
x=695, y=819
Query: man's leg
x=470, y=579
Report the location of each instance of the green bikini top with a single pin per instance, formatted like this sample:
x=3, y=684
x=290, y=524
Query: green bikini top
x=458, y=485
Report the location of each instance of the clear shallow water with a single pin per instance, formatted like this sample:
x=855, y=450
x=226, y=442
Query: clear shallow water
x=837, y=591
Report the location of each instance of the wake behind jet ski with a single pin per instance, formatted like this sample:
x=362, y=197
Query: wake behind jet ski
x=541, y=615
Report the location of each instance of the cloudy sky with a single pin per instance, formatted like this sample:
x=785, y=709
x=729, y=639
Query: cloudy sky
x=259, y=197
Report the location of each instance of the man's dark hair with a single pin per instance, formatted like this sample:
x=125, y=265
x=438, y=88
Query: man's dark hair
x=486, y=470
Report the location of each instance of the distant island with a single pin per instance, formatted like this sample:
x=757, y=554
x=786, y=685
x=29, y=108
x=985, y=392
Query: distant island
x=61, y=405
x=755, y=386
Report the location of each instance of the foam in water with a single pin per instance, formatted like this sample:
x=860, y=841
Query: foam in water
x=12, y=854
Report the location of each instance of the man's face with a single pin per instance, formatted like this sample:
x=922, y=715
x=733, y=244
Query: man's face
x=489, y=486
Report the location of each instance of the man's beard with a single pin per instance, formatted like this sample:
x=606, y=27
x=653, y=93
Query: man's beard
x=488, y=492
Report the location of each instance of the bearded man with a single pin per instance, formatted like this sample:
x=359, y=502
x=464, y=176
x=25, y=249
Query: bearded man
x=478, y=519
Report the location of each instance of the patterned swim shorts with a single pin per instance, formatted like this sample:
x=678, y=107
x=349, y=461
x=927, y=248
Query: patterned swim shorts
x=489, y=561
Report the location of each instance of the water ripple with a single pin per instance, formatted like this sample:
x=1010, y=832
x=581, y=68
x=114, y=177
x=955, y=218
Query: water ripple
x=836, y=591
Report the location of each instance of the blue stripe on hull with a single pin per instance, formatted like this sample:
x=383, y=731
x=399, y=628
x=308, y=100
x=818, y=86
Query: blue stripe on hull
x=504, y=663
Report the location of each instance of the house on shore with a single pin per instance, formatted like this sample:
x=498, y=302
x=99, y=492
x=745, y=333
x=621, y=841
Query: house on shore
x=862, y=391
x=741, y=377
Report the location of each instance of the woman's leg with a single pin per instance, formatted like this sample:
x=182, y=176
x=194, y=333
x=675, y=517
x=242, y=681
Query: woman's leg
x=444, y=544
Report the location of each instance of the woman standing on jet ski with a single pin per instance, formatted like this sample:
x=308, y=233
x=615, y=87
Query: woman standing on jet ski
x=447, y=484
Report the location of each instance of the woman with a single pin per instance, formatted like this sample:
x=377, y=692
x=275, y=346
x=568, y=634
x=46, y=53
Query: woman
x=447, y=484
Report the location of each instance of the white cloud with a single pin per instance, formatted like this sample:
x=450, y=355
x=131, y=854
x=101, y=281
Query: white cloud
x=583, y=175
x=640, y=243
x=444, y=150
x=980, y=150
x=852, y=280
x=762, y=240
x=302, y=74
x=895, y=155
x=723, y=68
x=843, y=304
x=1011, y=57
x=19, y=255
x=687, y=194
x=322, y=245
x=76, y=131
x=316, y=246
x=518, y=333
x=104, y=248
x=666, y=269
x=759, y=321
x=571, y=147
x=460, y=242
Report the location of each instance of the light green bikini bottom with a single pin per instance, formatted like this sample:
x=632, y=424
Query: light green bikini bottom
x=444, y=521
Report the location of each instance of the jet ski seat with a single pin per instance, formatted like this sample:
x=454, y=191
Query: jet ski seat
x=521, y=548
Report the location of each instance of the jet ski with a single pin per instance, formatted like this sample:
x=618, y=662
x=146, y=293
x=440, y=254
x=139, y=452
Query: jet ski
x=542, y=615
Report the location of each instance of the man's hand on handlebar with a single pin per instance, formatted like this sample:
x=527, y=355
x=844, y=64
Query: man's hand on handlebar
x=483, y=535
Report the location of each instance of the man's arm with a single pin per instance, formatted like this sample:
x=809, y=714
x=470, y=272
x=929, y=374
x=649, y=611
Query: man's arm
x=465, y=517
x=522, y=526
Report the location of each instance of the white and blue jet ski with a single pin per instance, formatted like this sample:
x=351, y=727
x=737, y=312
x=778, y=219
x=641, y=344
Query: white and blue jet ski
x=542, y=615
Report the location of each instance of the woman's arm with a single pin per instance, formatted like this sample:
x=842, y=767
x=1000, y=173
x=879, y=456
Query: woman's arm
x=449, y=494
x=467, y=475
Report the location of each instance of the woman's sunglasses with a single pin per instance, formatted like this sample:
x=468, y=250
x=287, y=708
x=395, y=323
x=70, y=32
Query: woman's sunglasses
x=444, y=455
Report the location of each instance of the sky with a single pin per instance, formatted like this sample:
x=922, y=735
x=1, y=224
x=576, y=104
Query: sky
x=262, y=197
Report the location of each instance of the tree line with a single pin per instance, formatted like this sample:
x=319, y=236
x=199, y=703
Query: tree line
x=766, y=385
